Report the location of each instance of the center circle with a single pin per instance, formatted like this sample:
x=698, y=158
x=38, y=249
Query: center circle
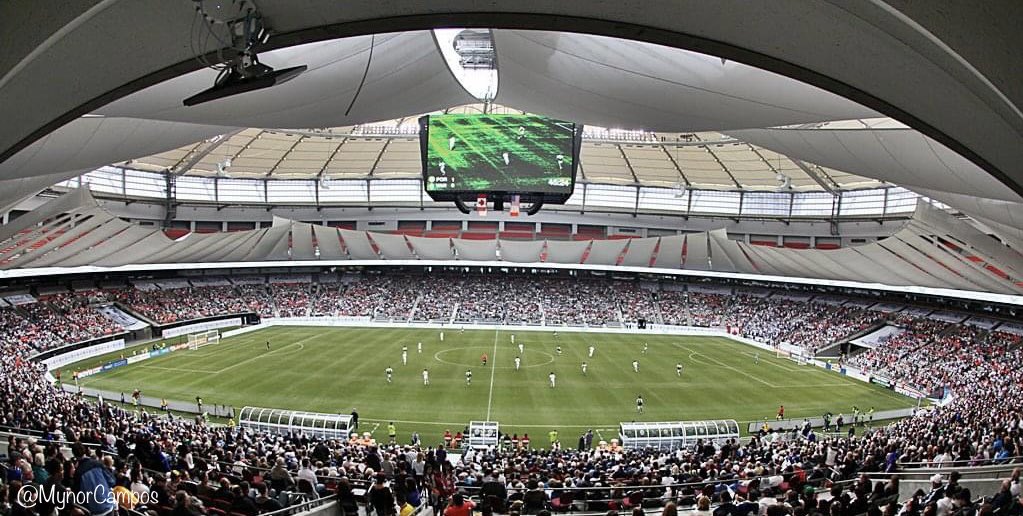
x=488, y=350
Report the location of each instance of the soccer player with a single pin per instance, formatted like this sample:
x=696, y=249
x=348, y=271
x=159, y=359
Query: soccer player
x=451, y=143
x=483, y=359
x=389, y=372
x=392, y=432
x=419, y=347
x=584, y=368
x=678, y=369
x=468, y=376
x=558, y=350
x=404, y=357
x=561, y=160
x=522, y=133
x=555, y=334
x=553, y=379
x=442, y=336
x=268, y=345
x=592, y=349
x=522, y=349
x=646, y=347
x=756, y=358
x=513, y=338
x=426, y=377
x=781, y=412
x=635, y=366
x=639, y=403
x=518, y=363
x=507, y=158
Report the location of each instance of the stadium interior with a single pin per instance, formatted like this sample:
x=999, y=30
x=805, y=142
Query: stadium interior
x=719, y=258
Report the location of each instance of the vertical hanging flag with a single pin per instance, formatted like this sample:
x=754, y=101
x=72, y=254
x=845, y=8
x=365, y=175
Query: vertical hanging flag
x=516, y=200
x=481, y=205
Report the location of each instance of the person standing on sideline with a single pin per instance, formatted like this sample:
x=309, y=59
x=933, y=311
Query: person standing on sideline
x=392, y=432
x=355, y=418
x=781, y=412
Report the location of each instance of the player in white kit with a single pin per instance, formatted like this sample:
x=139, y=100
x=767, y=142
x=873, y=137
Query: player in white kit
x=389, y=373
x=442, y=336
x=426, y=377
x=404, y=357
x=518, y=363
x=419, y=347
x=678, y=369
x=635, y=365
x=592, y=349
x=584, y=368
x=521, y=349
x=553, y=379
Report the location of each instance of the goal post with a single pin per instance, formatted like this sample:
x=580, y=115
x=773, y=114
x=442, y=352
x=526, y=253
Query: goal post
x=203, y=338
x=797, y=355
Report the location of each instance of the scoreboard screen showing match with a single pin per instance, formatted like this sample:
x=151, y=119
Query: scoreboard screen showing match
x=531, y=155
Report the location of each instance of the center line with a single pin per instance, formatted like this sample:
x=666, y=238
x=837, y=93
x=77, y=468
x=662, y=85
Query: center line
x=493, y=371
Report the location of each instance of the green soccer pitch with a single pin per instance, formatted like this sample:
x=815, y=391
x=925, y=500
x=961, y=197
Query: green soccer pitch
x=334, y=370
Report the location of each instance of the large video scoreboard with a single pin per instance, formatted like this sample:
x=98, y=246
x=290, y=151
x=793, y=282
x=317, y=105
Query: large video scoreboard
x=532, y=156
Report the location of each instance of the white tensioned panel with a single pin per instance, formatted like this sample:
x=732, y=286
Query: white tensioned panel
x=134, y=245
x=921, y=238
x=481, y=250
x=566, y=252
x=901, y=156
x=87, y=241
x=328, y=243
x=76, y=200
x=612, y=82
x=431, y=248
x=948, y=226
x=265, y=245
x=896, y=264
x=359, y=247
x=640, y=251
x=392, y=247
x=521, y=251
x=702, y=169
x=669, y=252
x=305, y=158
x=400, y=159
x=652, y=165
x=696, y=256
x=81, y=228
x=726, y=254
x=90, y=143
x=302, y=242
x=403, y=78
x=936, y=269
x=178, y=251
x=226, y=244
x=603, y=163
x=278, y=240
x=605, y=252
x=355, y=159
x=243, y=247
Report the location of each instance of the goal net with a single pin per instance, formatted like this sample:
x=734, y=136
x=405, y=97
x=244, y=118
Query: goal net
x=797, y=356
x=204, y=338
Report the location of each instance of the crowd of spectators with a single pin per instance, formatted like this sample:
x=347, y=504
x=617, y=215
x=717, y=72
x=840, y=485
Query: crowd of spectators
x=193, y=468
x=291, y=299
x=165, y=306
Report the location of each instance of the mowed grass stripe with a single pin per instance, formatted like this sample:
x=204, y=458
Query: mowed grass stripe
x=334, y=370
